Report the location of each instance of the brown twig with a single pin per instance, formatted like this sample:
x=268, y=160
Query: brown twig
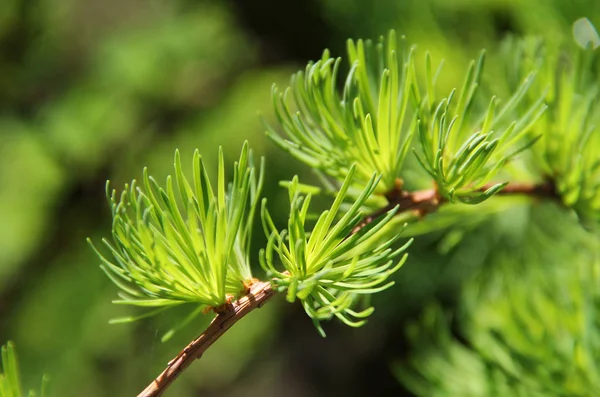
x=423, y=202
x=260, y=292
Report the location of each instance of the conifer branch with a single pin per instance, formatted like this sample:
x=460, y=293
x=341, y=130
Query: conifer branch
x=190, y=243
x=423, y=202
x=228, y=315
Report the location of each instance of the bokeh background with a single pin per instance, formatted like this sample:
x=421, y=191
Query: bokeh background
x=96, y=90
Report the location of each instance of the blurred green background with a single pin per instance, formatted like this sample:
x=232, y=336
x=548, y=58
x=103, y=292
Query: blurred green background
x=93, y=90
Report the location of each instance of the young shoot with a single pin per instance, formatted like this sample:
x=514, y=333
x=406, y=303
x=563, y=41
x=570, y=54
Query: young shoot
x=188, y=242
x=329, y=268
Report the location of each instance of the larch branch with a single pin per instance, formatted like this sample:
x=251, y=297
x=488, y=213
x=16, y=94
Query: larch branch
x=260, y=292
x=422, y=202
x=426, y=201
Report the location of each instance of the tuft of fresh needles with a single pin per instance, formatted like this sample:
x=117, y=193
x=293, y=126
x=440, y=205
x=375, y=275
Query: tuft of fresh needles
x=187, y=242
x=329, y=268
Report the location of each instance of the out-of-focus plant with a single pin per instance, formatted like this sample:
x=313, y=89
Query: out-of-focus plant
x=525, y=329
x=568, y=83
x=526, y=324
x=10, y=379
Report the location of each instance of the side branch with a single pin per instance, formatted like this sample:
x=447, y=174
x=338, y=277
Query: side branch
x=260, y=292
x=423, y=202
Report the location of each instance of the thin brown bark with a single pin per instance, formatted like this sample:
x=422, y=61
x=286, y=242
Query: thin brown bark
x=260, y=292
x=422, y=202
